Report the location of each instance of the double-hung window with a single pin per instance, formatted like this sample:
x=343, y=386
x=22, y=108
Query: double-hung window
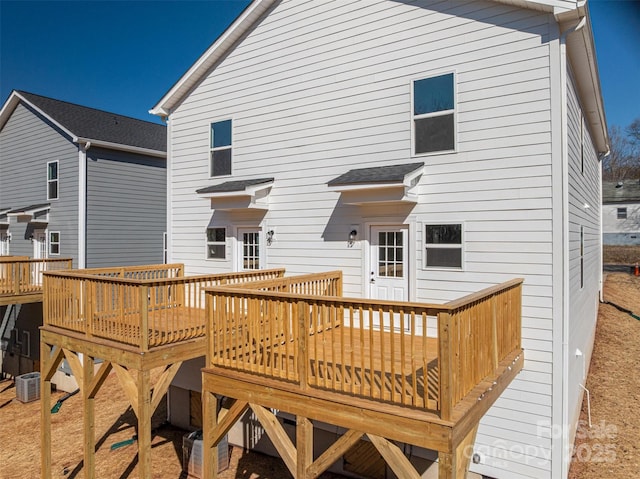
x=54, y=243
x=220, y=154
x=443, y=246
x=434, y=114
x=52, y=180
x=622, y=213
x=216, y=243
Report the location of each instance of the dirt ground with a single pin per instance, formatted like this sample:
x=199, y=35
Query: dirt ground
x=610, y=448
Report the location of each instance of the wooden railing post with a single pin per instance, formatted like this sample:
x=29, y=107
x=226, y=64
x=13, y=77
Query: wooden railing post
x=494, y=332
x=303, y=345
x=144, y=318
x=16, y=278
x=446, y=364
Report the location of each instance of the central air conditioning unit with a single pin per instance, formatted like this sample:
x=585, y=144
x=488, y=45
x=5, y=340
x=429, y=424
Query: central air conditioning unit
x=192, y=454
x=28, y=387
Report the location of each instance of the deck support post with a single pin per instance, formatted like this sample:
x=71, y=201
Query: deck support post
x=209, y=423
x=89, y=418
x=304, y=446
x=144, y=423
x=456, y=465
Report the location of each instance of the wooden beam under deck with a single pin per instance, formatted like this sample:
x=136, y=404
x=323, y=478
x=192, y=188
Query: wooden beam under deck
x=7, y=299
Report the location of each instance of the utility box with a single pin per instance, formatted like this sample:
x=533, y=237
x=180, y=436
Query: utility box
x=28, y=387
x=192, y=456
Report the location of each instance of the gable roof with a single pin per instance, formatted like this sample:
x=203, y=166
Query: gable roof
x=100, y=128
x=580, y=48
x=627, y=191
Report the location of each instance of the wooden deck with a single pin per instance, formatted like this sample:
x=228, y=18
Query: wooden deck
x=21, y=277
x=136, y=320
x=422, y=374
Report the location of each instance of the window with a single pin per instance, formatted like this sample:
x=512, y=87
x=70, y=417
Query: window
x=52, y=180
x=390, y=254
x=221, y=148
x=216, y=243
x=251, y=250
x=622, y=213
x=581, y=143
x=443, y=246
x=54, y=243
x=434, y=114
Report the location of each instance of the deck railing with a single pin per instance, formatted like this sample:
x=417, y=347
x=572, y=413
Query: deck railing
x=21, y=275
x=144, y=306
x=428, y=356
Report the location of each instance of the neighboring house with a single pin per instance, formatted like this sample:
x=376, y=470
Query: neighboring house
x=621, y=212
x=426, y=149
x=81, y=183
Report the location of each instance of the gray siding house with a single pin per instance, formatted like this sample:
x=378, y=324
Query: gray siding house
x=621, y=212
x=79, y=182
x=75, y=182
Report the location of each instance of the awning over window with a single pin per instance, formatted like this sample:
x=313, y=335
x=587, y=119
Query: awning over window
x=377, y=185
x=240, y=194
x=32, y=213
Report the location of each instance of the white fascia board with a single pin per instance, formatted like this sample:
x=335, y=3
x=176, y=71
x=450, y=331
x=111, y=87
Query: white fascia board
x=12, y=103
x=121, y=147
x=203, y=65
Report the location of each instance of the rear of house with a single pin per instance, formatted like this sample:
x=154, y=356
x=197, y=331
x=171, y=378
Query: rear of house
x=427, y=150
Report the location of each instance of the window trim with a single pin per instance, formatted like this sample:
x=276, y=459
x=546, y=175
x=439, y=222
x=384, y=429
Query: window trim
x=220, y=148
x=425, y=266
x=453, y=112
x=51, y=243
x=582, y=256
x=56, y=180
x=208, y=243
x=621, y=213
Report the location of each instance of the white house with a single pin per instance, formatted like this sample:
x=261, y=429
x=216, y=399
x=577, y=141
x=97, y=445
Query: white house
x=425, y=148
x=621, y=212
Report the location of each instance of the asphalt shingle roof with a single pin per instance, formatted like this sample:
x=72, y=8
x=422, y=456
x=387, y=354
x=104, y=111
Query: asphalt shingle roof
x=39, y=206
x=228, y=186
x=620, y=192
x=94, y=124
x=377, y=174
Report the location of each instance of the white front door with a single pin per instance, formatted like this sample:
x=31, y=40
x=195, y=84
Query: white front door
x=389, y=272
x=249, y=249
x=39, y=245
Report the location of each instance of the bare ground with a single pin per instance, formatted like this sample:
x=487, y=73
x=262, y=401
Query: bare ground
x=610, y=448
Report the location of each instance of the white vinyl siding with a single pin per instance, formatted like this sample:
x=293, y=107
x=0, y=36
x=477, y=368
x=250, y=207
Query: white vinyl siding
x=318, y=88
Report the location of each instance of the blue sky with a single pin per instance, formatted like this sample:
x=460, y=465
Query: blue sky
x=122, y=56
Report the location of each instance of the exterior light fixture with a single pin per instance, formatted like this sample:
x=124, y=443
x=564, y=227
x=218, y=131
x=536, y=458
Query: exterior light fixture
x=270, y=234
x=353, y=235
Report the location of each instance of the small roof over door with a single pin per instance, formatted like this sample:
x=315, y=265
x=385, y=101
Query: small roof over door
x=239, y=194
x=380, y=184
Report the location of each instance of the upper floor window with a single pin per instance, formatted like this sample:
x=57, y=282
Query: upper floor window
x=216, y=243
x=54, y=243
x=434, y=114
x=622, y=213
x=443, y=246
x=221, y=148
x=52, y=180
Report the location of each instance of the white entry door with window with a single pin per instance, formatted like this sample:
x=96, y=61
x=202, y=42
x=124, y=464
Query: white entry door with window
x=249, y=249
x=40, y=245
x=389, y=268
x=389, y=271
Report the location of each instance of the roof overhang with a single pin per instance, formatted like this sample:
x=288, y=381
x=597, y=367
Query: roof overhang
x=4, y=219
x=239, y=195
x=379, y=185
x=12, y=103
x=209, y=58
x=30, y=213
x=88, y=142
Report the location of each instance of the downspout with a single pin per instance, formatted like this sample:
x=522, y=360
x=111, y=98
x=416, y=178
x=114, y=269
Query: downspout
x=565, y=458
x=82, y=204
x=169, y=217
